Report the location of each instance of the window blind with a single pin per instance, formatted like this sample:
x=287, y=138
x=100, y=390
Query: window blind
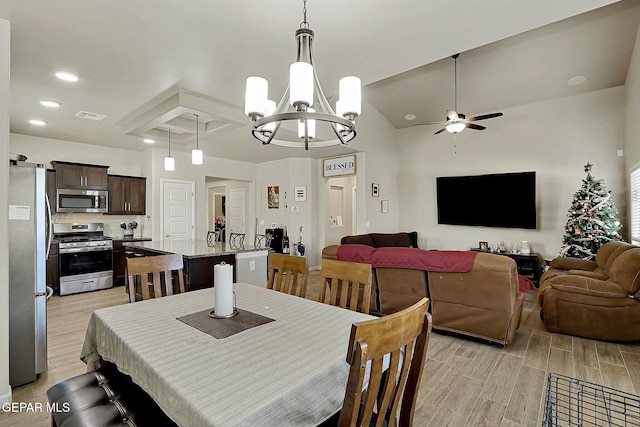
x=635, y=206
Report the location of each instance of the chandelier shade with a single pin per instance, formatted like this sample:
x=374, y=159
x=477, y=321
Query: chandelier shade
x=295, y=107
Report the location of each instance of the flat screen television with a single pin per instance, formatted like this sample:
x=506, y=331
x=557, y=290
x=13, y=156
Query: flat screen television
x=497, y=200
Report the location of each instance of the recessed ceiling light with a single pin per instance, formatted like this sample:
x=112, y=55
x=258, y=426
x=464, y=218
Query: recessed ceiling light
x=410, y=117
x=37, y=122
x=66, y=76
x=576, y=80
x=149, y=140
x=49, y=103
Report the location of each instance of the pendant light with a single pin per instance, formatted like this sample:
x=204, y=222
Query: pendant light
x=196, y=153
x=169, y=162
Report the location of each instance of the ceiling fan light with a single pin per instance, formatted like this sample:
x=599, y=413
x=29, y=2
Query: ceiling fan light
x=350, y=93
x=455, y=127
x=255, y=98
x=301, y=84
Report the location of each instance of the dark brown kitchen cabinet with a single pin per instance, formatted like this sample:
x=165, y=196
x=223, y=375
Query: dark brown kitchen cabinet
x=80, y=176
x=53, y=275
x=51, y=189
x=127, y=195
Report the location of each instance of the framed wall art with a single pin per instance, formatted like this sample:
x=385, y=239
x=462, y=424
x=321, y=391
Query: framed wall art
x=273, y=197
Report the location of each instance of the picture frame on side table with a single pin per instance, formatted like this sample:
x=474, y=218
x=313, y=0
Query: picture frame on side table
x=483, y=246
x=384, y=206
x=375, y=190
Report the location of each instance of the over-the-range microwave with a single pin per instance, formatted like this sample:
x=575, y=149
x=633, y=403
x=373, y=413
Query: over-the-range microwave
x=90, y=201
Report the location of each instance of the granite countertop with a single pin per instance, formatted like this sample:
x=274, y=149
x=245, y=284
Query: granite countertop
x=132, y=239
x=190, y=248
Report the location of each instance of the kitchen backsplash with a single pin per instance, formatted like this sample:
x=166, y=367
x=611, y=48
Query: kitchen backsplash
x=111, y=223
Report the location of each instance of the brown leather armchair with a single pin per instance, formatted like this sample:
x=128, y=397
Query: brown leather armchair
x=598, y=269
x=601, y=303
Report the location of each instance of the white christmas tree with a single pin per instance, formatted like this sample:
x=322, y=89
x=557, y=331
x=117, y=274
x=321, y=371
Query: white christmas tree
x=592, y=219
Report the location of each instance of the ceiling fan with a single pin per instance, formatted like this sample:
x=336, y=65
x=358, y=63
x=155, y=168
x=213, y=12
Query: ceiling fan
x=457, y=122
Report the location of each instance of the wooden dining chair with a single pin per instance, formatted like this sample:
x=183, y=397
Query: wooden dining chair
x=389, y=396
x=346, y=284
x=288, y=274
x=154, y=272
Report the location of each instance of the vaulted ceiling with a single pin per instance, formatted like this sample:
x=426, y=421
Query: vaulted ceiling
x=148, y=66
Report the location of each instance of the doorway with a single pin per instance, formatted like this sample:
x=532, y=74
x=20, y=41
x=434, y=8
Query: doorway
x=339, y=217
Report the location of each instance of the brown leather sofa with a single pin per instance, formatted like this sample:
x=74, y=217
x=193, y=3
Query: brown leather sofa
x=483, y=302
x=595, y=299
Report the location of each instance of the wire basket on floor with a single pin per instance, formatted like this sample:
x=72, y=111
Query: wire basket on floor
x=573, y=402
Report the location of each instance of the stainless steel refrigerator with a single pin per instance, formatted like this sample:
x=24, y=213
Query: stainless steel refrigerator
x=29, y=230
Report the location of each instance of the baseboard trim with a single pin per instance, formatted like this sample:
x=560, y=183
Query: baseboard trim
x=5, y=398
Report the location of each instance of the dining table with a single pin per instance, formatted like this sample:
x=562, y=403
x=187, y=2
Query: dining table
x=280, y=362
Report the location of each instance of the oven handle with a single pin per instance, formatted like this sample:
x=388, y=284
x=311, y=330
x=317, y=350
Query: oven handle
x=79, y=250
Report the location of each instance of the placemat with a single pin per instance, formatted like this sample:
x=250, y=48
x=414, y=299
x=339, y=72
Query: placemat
x=223, y=328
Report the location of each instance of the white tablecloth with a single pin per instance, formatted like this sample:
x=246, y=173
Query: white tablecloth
x=290, y=372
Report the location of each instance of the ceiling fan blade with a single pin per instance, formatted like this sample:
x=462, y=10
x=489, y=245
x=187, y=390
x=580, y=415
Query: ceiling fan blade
x=474, y=126
x=440, y=131
x=484, y=117
x=428, y=123
x=452, y=116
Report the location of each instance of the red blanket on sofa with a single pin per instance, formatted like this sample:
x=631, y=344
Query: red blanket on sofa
x=417, y=259
x=413, y=258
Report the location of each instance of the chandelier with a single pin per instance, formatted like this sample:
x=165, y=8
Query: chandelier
x=303, y=103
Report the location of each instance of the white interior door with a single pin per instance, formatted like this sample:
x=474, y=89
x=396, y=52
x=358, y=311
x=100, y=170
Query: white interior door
x=177, y=210
x=235, y=211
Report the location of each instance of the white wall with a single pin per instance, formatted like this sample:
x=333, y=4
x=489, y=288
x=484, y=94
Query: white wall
x=288, y=174
x=632, y=111
x=5, y=35
x=380, y=164
x=554, y=138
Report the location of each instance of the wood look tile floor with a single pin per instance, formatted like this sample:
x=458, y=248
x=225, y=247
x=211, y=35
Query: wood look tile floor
x=465, y=383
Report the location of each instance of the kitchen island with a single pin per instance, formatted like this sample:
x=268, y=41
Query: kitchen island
x=249, y=264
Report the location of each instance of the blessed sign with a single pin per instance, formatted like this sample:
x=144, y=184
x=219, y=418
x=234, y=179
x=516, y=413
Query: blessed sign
x=339, y=166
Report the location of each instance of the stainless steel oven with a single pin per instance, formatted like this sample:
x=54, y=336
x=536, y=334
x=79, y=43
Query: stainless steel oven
x=85, y=258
